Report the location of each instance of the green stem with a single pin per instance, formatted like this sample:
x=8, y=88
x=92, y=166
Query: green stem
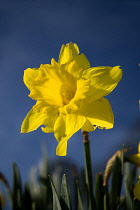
x=88, y=170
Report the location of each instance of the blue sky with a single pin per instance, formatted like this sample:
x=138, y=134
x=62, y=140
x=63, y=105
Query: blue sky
x=32, y=32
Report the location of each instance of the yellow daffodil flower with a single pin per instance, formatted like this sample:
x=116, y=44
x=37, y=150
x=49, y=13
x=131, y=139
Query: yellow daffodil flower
x=135, y=158
x=70, y=96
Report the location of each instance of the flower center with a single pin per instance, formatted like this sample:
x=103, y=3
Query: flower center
x=67, y=96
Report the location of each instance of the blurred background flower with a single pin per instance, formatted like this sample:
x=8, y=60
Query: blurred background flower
x=135, y=158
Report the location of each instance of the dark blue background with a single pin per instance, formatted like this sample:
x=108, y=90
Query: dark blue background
x=31, y=33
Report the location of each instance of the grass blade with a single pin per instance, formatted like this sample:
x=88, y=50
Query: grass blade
x=56, y=203
x=136, y=204
x=16, y=189
x=106, y=198
x=79, y=201
x=99, y=195
x=116, y=184
x=128, y=187
x=65, y=197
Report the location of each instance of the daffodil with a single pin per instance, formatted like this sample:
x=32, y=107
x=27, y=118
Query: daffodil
x=135, y=158
x=69, y=96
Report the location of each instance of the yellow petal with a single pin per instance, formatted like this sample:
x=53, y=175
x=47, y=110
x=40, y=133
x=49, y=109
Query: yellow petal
x=74, y=69
x=82, y=90
x=65, y=126
x=137, y=190
x=32, y=121
x=42, y=105
x=67, y=53
x=70, y=52
x=46, y=94
x=29, y=77
x=37, y=117
x=88, y=126
x=57, y=90
x=47, y=90
x=55, y=64
x=50, y=124
x=135, y=159
x=103, y=80
x=139, y=147
x=82, y=61
x=99, y=113
x=61, y=149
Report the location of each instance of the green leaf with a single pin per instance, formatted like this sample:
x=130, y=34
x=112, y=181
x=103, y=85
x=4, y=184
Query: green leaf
x=106, y=198
x=6, y=184
x=27, y=197
x=56, y=203
x=128, y=187
x=116, y=184
x=16, y=189
x=34, y=206
x=136, y=204
x=44, y=167
x=0, y=204
x=79, y=201
x=99, y=192
x=65, y=197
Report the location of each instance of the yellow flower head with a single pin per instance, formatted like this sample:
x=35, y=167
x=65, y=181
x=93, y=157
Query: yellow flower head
x=70, y=96
x=135, y=159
